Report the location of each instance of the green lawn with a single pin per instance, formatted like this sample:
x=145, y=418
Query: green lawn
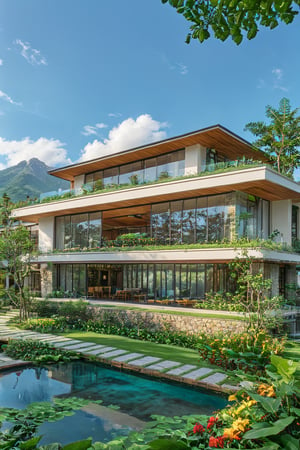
x=169, y=352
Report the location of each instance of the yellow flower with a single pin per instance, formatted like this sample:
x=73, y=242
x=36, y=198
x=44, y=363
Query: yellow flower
x=232, y=398
x=240, y=424
x=230, y=433
x=266, y=390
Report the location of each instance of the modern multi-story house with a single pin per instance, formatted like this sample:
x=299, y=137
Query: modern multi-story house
x=190, y=196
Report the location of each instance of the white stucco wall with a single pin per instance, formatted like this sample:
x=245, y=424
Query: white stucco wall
x=195, y=159
x=78, y=182
x=46, y=234
x=281, y=220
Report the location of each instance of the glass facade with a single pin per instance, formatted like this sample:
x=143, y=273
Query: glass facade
x=203, y=219
x=173, y=281
x=78, y=230
x=143, y=171
x=252, y=216
x=195, y=220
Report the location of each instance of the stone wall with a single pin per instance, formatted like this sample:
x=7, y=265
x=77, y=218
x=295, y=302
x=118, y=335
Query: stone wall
x=157, y=321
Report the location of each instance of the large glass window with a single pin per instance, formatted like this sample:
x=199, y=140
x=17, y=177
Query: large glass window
x=205, y=219
x=78, y=230
x=172, y=281
x=176, y=222
x=160, y=223
x=189, y=221
x=252, y=216
x=163, y=166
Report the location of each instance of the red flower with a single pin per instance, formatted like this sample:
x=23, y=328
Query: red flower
x=211, y=421
x=198, y=428
x=216, y=442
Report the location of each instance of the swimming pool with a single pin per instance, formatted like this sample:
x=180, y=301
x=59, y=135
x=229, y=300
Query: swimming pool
x=135, y=397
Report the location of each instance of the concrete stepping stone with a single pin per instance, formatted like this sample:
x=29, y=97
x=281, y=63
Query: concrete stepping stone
x=113, y=353
x=77, y=346
x=101, y=350
x=231, y=387
x=128, y=357
x=4, y=358
x=183, y=369
x=146, y=361
x=10, y=362
x=52, y=339
x=197, y=373
x=215, y=378
x=160, y=366
x=61, y=344
x=88, y=349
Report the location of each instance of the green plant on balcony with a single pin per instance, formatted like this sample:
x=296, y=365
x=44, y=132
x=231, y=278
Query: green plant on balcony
x=98, y=185
x=163, y=175
x=134, y=179
x=132, y=240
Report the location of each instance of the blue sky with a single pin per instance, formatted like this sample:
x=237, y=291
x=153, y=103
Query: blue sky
x=80, y=78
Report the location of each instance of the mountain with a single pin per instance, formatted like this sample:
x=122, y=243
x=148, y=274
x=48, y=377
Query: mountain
x=29, y=178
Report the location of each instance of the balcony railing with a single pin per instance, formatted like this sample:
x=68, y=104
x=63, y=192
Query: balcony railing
x=97, y=187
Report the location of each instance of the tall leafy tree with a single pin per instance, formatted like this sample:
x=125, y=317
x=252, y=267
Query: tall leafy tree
x=280, y=138
x=233, y=18
x=16, y=249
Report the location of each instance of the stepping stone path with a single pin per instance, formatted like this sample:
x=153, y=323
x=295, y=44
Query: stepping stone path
x=215, y=378
x=113, y=353
x=182, y=369
x=197, y=373
x=163, y=365
x=186, y=371
x=144, y=361
x=128, y=357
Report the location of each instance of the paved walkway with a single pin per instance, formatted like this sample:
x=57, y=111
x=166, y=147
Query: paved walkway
x=171, y=369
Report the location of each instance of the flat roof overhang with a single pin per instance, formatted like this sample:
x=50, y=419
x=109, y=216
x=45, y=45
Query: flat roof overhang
x=260, y=181
x=218, y=137
x=207, y=255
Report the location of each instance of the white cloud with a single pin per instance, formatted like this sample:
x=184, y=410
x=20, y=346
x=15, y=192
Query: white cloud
x=129, y=133
x=278, y=73
x=51, y=151
x=275, y=81
x=8, y=99
x=88, y=130
x=32, y=55
x=176, y=67
x=114, y=115
x=1, y=62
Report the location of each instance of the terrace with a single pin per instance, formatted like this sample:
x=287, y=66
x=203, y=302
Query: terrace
x=138, y=178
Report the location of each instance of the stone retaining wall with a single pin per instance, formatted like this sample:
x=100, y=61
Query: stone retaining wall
x=157, y=321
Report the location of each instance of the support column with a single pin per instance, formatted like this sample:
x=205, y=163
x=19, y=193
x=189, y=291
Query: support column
x=195, y=159
x=281, y=220
x=46, y=280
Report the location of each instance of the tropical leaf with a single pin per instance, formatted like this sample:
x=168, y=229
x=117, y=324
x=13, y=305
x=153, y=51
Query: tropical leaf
x=270, y=430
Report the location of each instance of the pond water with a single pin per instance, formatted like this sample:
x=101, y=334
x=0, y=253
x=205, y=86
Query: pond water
x=135, y=398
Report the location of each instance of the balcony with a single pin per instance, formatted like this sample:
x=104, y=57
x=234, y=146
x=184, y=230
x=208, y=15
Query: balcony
x=100, y=186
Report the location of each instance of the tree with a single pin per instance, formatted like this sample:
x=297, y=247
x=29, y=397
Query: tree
x=253, y=293
x=280, y=139
x=16, y=249
x=233, y=18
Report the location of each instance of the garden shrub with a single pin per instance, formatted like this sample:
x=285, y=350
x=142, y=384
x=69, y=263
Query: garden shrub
x=222, y=301
x=36, y=351
x=75, y=311
x=44, y=308
x=249, y=351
